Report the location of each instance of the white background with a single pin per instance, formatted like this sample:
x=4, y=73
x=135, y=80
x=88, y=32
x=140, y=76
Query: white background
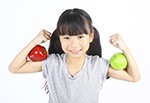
x=22, y=20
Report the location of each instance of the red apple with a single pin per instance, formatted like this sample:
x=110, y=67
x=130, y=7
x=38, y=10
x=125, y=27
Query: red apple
x=38, y=53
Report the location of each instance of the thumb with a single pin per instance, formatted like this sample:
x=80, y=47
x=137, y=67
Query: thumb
x=115, y=43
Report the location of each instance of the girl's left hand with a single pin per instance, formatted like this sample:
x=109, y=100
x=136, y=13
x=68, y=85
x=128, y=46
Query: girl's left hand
x=117, y=41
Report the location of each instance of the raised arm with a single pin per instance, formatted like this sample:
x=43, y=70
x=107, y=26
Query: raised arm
x=131, y=73
x=20, y=64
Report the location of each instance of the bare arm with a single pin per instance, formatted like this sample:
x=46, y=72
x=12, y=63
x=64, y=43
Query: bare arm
x=20, y=64
x=131, y=73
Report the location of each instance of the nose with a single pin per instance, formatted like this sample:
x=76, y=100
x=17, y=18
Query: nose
x=74, y=43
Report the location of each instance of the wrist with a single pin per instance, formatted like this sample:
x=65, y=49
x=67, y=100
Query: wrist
x=31, y=45
x=34, y=42
x=125, y=50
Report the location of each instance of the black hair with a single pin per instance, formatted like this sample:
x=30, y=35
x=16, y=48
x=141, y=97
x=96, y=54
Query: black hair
x=75, y=22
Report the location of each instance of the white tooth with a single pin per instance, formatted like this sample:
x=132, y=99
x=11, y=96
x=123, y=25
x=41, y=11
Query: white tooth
x=75, y=51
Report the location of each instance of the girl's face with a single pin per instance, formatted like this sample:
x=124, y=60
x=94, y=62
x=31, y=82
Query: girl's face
x=76, y=46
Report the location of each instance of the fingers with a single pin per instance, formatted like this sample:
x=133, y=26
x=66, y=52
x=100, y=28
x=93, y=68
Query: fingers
x=115, y=36
x=43, y=36
x=47, y=34
x=117, y=41
x=114, y=39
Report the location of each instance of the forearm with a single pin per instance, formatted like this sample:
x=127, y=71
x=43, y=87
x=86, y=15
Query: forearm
x=132, y=68
x=21, y=58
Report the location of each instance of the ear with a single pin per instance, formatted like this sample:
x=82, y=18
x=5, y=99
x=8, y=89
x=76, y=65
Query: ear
x=92, y=36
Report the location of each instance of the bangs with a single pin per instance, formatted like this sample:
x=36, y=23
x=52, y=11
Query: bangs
x=73, y=24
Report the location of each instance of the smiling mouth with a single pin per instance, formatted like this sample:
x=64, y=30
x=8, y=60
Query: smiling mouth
x=75, y=52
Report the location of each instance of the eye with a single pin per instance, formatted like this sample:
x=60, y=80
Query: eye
x=66, y=38
x=80, y=37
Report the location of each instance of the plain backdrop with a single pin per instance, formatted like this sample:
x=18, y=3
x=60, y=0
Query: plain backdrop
x=22, y=20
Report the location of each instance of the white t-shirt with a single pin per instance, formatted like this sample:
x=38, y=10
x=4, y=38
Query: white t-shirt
x=84, y=87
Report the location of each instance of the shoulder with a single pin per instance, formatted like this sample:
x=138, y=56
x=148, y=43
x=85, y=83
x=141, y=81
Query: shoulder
x=52, y=61
x=96, y=59
x=54, y=58
x=98, y=64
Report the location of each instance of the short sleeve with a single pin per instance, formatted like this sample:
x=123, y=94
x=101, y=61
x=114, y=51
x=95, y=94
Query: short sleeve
x=45, y=65
x=104, y=65
x=48, y=65
x=44, y=68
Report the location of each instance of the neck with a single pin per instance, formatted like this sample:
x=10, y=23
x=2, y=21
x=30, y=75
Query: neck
x=75, y=61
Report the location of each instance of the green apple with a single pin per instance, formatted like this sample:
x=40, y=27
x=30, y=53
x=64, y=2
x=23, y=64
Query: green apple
x=118, y=61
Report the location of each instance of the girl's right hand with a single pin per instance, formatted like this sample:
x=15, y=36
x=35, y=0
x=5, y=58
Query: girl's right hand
x=20, y=64
x=42, y=37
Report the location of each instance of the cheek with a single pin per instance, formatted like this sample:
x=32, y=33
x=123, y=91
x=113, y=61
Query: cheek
x=85, y=44
x=64, y=45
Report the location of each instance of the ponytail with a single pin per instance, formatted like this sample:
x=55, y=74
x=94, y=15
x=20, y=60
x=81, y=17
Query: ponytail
x=54, y=45
x=95, y=46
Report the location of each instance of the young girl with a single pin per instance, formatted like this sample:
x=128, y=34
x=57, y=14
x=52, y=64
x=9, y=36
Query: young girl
x=74, y=69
